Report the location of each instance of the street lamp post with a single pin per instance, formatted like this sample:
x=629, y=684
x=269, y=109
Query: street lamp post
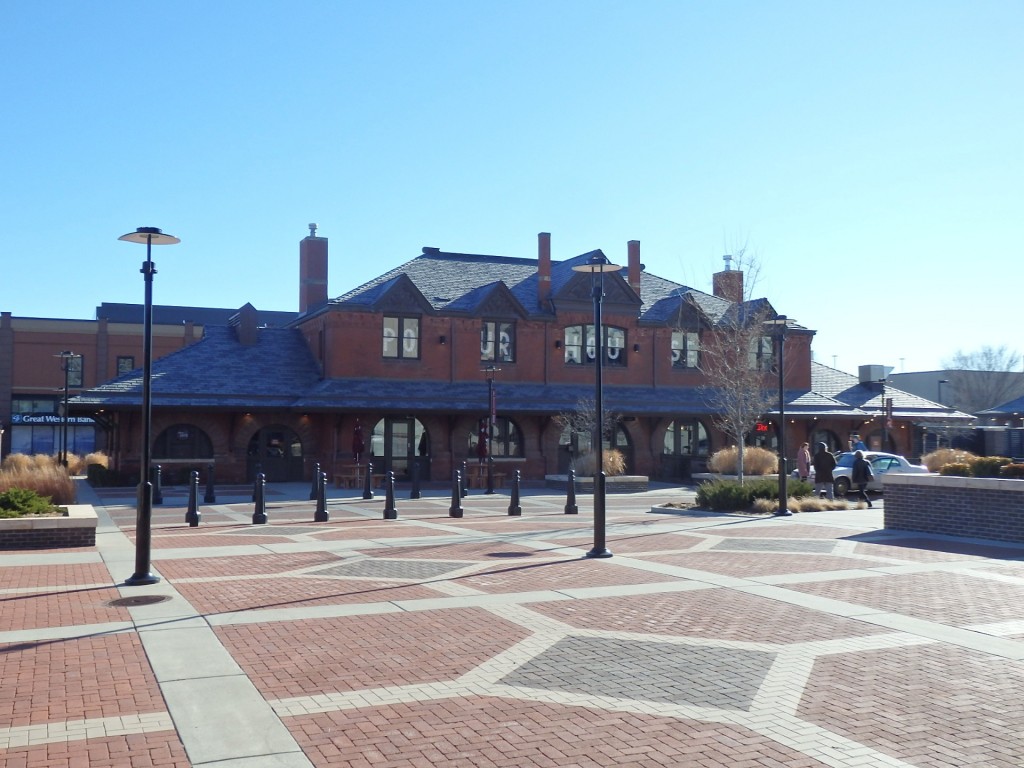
x=597, y=265
x=144, y=501
x=65, y=362
x=490, y=370
x=780, y=324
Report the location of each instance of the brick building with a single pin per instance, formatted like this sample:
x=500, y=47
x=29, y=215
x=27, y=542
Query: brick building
x=405, y=364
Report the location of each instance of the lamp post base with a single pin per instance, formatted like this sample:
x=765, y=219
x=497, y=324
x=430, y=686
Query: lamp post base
x=783, y=513
x=141, y=579
x=599, y=552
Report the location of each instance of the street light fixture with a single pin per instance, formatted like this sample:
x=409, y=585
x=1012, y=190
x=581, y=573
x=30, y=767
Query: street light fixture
x=144, y=501
x=490, y=370
x=780, y=324
x=65, y=364
x=597, y=265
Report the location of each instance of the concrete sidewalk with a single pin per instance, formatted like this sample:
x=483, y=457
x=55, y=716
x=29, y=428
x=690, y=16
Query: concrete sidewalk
x=489, y=640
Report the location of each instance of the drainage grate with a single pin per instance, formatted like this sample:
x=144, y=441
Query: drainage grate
x=129, y=602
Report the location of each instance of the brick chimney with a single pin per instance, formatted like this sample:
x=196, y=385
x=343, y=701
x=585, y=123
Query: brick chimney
x=543, y=267
x=634, y=266
x=728, y=284
x=312, y=271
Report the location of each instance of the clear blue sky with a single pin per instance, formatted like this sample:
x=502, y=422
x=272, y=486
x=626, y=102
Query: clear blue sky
x=869, y=153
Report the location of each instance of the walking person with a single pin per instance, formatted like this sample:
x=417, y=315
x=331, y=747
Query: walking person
x=803, y=461
x=861, y=475
x=823, y=462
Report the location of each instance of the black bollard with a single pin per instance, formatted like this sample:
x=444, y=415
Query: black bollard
x=192, y=515
x=367, y=490
x=158, y=490
x=256, y=480
x=390, y=513
x=209, y=497
x=570, y=495
x=314, y=486
x=259, y=514
x=455, y=510
x=321, y=515
x=415, y=492
x=463, y=488
x=513, y=506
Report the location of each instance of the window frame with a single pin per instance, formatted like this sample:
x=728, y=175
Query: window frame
x=401, y=338
x=584, y=342
x=491, y=335
x=682, y=352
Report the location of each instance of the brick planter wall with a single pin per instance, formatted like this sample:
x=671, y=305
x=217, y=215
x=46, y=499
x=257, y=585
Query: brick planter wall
x=957, y=506
x=78, y=529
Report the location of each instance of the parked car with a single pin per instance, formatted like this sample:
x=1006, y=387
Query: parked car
x=881, y=464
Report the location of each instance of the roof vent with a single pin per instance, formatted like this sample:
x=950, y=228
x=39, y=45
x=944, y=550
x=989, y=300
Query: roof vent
x=431, y=249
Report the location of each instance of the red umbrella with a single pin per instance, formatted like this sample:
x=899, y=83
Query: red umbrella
x=358, y=446
x=481, y=441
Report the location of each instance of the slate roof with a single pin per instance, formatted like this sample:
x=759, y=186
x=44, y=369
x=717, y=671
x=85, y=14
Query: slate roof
x=1011, y=407
x=456, y=282
x=164, y=314
x=868, y=398
x=219, y=371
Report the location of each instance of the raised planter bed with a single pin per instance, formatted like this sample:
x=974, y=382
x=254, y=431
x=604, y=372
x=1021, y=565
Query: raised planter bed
x=616, y=484
x=984, y=508
x=77, y=529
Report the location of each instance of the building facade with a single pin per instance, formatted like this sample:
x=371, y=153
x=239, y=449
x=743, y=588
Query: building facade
x=408, y=370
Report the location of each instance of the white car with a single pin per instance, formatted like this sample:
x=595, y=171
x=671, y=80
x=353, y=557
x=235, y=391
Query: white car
x=881, y=464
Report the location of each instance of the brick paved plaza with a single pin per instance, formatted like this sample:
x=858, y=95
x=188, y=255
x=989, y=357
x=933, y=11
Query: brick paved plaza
x=489, y=640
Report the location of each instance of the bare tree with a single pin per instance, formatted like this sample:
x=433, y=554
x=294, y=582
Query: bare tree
x=985, y=378
x=581, y=420
x=735, y=358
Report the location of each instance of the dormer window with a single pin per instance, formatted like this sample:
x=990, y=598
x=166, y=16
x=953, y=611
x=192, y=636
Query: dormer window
x=497, y=342
x=685, y=349
x=401, y=337
x=581, y=349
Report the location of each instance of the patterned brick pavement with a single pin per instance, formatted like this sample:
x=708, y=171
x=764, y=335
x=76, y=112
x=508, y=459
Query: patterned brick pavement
x=488, y=640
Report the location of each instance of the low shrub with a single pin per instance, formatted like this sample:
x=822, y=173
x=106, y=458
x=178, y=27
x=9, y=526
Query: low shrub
x=1012, y=471
x=805, y=504
x=956, y=469
x=100, y=476
x=756, y=461
x=988, y=466
x=936, y=460
x=18, y=502
x=723, y=495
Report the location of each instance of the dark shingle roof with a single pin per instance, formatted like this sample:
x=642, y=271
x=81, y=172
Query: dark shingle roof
x=219, y=371
x=170, y=315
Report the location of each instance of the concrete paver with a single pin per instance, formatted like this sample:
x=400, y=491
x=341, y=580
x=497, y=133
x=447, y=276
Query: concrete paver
x=489, y=640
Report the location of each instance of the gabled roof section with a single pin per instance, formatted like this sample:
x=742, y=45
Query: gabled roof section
x=492, y=300
x=567, y=284
x=400, y=294
x=1013, y=407
x=218, y=371
x=443, y=278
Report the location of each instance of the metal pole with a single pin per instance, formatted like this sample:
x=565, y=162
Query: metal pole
x=783, y=510
x=144, y=519
x=64, y=415
x=600, y=549
x=490, y=430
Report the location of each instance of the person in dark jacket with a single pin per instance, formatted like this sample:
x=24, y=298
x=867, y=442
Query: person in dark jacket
x=860, y=475
x=824, y=462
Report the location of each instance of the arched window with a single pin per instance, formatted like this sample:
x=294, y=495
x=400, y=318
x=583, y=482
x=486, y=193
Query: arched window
x=182, y=441
x=507, y=441
x=686, y=438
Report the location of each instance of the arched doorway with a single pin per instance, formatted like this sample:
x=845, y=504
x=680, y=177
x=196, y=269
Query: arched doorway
x=394, y=445
x=573, y=444
x=685, y=449
x=276, y=451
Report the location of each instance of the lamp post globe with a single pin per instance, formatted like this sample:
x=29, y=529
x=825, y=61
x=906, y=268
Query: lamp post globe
x=150, y=236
